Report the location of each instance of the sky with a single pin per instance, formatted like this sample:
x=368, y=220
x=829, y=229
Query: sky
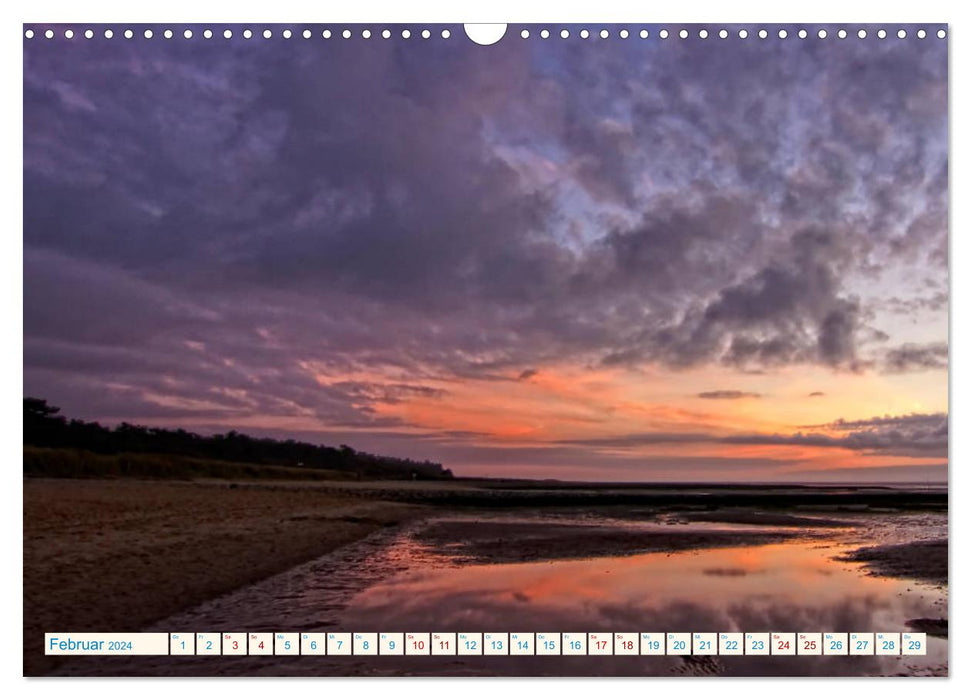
x=621, y=259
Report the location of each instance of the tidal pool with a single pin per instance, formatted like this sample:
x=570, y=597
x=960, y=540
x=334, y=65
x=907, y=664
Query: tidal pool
x=399, y=582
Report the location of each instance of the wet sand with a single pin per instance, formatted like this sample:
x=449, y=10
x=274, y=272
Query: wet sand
x=923, y=561
x=756, y=517
x=127, y=555
x=120, y=554
x=505, y=542
x=401, y=579
x=933, y=627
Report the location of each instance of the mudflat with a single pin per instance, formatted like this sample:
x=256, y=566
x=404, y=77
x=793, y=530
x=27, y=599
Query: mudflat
x=924, y=561
x=119, y=554
x=123, y=554
x=490, y=542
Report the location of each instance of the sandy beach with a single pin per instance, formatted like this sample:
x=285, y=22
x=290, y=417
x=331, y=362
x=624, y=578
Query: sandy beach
x=119, y=554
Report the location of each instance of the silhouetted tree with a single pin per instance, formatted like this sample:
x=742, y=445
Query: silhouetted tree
x=45, y=427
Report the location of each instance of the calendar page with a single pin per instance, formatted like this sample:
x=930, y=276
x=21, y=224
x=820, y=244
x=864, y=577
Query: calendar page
x=381, y=349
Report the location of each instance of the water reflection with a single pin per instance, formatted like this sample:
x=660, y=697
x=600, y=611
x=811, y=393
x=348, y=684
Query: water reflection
x=571, y=592
x=790, y=587
x=393, y=582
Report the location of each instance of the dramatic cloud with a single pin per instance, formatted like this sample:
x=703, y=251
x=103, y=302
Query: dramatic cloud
x=910, y=420
x=916, y=306
x=729, y=394
x=312, y=233
x=911, y=357
x=909, y=435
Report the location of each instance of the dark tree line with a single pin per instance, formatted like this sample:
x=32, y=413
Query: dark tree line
x=45, y=427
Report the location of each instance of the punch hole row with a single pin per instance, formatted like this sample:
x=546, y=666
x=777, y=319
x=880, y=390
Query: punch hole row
x=245, y=34
x=446, y=34
x=725, y=34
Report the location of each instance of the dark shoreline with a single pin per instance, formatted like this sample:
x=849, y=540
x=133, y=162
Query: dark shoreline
x=922, y=561
x=498, y=542
x=777, y=498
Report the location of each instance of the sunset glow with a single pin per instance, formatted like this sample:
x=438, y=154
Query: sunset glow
x=556, y=263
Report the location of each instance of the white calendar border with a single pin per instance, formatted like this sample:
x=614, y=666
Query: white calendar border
x=767, y=11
